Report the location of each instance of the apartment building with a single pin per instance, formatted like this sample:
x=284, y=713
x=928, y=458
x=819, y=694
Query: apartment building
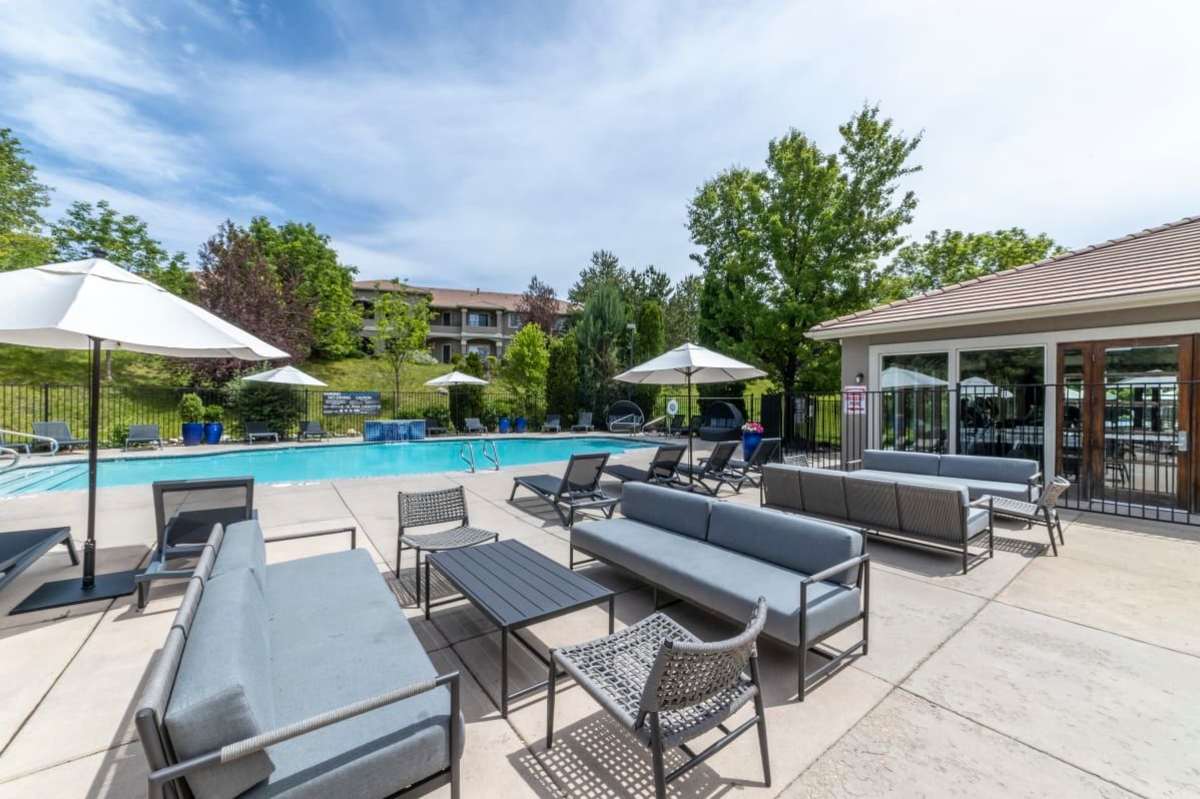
x=462, y=320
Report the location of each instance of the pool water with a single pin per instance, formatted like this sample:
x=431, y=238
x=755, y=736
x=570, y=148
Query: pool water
x=308, y=463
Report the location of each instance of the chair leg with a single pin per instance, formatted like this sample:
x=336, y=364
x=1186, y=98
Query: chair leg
x=513, y=495
x=761, y=712
x=550, y=702
x=656, y=750
x=1058, y=523
x=803, y=665
x=416, y=570
x=1050, y=530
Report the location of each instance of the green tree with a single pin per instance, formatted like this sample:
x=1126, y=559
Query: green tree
x=539, y=305
x=297, y=251
x=562, y=376
x=22, y=199
x=682, y=312
x=796, y=243
x=526, y=361
x=402, y=327
x=649, y=341
x=952, y=256
x=599, y=335
x=650, y=284
x=603, y=270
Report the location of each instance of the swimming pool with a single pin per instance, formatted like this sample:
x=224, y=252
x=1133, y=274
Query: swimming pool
x=307, y=463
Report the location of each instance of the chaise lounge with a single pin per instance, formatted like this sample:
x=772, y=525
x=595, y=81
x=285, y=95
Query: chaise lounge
x=578, y=488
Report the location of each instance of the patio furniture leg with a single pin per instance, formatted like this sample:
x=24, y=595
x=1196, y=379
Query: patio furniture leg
x=550, y=702
x=1058, y=522
x=803, y=659
x=69, y=543
x=1050, y=530
x=660, y=777
x=426, y=590
x=611, y=608
x=455, y=782
x=416, y=570
x=504, y=672
x=760, y=711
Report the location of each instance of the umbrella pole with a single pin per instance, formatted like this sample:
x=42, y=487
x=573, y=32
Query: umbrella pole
x=689, y=426
x=89, y=544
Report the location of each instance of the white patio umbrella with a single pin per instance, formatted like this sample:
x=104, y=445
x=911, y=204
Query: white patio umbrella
x=687, y=364
x=456, y=379
x=94, y=305
x=983, y=386
x=899, y=377
x=284, y=376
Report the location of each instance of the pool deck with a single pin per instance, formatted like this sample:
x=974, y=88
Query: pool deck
x=1030, y=676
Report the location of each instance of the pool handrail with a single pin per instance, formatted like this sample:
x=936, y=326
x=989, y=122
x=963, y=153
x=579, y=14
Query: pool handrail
x=469, y=456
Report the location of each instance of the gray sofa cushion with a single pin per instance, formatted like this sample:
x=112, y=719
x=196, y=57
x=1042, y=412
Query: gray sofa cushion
x=794, y=542
x=994, y=470
x=871, y=502
x=975, y=488
x=781, y=486
x=824, y=494
x=242, y=547
x=223, y=690
x=364, y=646
x=668, y=508
x=894, y=461
x=719, y=579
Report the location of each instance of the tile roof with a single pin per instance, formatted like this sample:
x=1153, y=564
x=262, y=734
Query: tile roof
x=457, y=298
x=1141, y=267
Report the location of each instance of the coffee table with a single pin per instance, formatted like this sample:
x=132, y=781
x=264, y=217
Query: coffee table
x=514, y=586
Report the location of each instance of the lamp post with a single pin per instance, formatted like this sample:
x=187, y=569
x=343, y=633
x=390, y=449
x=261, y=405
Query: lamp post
x=630, y=329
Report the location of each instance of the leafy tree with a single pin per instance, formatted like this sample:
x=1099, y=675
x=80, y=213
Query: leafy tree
x=526, y=362
x=301, y=255
x=539, y=305
x=562, y=376
x=599, y=334
x=467, y=400
x=22, y=198
x=236, y=283
x=402, y=327
x=649, y=342
x=953, y=256
x=682, y=312
x=796, y=243
x=604, y=270
x=650, y=284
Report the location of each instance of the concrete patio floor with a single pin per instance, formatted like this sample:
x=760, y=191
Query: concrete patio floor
x=1030, y=676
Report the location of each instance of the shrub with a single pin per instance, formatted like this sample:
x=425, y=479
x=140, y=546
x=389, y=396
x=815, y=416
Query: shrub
x=278, y=406
x=562, y=377
x=438, y=412
x=119, y=434
x=191, y=408
x=213, y=413
x=525, y=365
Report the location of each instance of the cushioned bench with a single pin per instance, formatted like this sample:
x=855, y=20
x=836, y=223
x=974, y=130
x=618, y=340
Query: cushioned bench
x=1015, y=478
x=905, y=508
x=314, y=662
x=722, y=557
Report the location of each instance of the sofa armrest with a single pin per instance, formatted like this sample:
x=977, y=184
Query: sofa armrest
x=852, y=462
x=257, y=743
x=982, y=502
x=352, y=530
x=860, y=561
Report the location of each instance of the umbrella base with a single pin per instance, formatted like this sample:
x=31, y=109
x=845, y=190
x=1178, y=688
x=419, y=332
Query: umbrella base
x=61, y=593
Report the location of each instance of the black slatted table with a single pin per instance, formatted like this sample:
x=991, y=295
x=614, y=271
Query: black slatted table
x=514, y=586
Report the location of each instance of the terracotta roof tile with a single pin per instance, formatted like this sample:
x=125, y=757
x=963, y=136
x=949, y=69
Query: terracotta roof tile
x=456, y=298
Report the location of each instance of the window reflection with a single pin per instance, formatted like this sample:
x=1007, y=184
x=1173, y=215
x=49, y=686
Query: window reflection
x=1002, y=402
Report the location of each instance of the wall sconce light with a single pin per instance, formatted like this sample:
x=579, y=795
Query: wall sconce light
x=858, y=378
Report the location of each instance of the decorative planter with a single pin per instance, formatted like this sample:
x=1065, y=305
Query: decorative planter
x=505, y=425
x=213, y=432
x=193, y=433
x=750, y=441
x=520, y=424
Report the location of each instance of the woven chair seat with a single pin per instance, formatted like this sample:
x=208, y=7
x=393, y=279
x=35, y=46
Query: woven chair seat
x=456, y=538
x=615, y=670
x=1016, y=507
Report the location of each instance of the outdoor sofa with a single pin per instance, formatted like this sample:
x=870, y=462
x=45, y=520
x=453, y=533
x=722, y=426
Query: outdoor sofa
x=723, y=556
x=300, y=678
x=899, y=507
x=1015, y=478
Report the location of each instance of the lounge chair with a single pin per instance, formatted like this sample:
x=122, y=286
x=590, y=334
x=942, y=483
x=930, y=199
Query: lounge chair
x=60, y=432
x=625, y=417
x=656, y=425
x=584, y=423
x=553, y=422
x=312, y=429
x=1041, y=512
x=715, y=468
x=19, y=549
x=577, y=489
x=259, y=430
x=143, y=434
x=473, y=425
x=662, y=468
x=766, y=451
x=433, y=427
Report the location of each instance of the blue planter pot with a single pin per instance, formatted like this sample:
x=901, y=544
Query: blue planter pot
x=193, y=433
x=213, y=432
x=505, y=425
x=520, y=424
x=750, y=442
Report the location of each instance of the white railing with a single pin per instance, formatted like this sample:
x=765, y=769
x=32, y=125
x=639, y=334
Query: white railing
x=467, y=454
x=6, y=451
x=493, y=454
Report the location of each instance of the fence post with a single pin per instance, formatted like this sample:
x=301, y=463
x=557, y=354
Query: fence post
x=45, y=402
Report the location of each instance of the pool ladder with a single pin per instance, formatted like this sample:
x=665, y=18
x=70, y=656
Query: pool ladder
x=8, y=452
x=466, y=454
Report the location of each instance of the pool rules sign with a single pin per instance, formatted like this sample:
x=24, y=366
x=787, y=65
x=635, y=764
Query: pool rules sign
x=854, y=400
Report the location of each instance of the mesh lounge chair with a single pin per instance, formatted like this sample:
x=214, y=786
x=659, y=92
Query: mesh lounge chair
x=312, y=429
x=715, y=468
x=143, y=434
x=184, y=514
x=259, y=430
x=577, y=489
x=625, y=417
x=19, y=549
x=662, y=468
x=425, y=508
x=1040, y=512
x=433, y=427
x=584, y=423
x=60, y=432
x=473, y=425
x=667, y=687
x=553, y=422
x=766, y=451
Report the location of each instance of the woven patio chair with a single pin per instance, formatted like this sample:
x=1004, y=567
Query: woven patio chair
x=424, y=508
x=667, y=687
x=1041, y=512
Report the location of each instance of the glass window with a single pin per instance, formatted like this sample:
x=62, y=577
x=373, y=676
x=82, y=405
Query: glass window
x=915, y=401
x=1002, y=402
x=919, y=370
x=479, y=319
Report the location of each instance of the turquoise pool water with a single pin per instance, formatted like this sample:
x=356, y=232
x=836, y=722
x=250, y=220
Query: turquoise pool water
x=300, y=464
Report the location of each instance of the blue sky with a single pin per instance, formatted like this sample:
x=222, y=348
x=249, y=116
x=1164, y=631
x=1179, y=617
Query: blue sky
x=473, y=144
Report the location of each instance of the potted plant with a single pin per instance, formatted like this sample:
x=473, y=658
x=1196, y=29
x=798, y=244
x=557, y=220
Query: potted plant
x=191, y=411
x=213, y=429
x=504, y=424
x=520, y=425
x=752, y=435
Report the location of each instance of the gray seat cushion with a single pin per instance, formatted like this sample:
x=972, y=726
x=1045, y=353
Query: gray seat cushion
x=798, y=544
x=994, y=470
x=223, y=690
x=884, y=460
x=670, y=509
x=975, y=488
x=977, y=521
x=364, y=646
x=242, y=547
x=719, y=579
